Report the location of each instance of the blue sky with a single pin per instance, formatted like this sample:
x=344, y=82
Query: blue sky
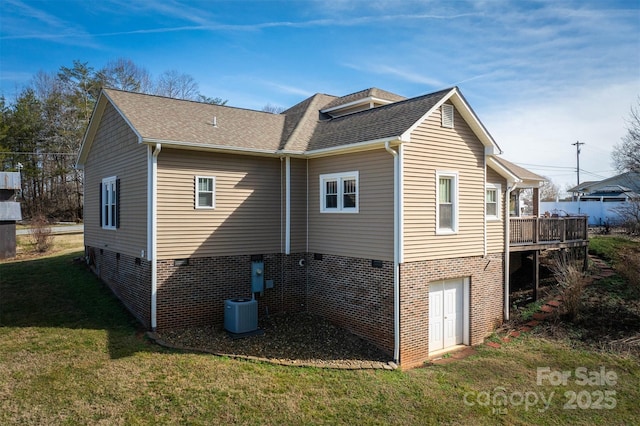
x=540, y=75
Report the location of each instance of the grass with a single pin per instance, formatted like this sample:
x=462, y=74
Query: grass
x=526, y=312
x=608, y=247
x=61, y=244
x=70, y=354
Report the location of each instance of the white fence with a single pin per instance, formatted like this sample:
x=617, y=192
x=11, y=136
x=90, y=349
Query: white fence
x=599, y=212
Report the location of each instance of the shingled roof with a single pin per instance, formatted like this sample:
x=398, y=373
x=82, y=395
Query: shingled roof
x=302, y=129
x=519, y=172
x=301, y=122
x=157, y=118
x=372, y=124
x=372, y=92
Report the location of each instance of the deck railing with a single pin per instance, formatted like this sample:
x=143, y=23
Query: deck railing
x=541, y=230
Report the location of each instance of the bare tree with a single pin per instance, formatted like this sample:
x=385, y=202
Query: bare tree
x=124, y=74
x=629, y=214
x=273, y=109
x=549, y=191
x=173, y=84
x=626, y=155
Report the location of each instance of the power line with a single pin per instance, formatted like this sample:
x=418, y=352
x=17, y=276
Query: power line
x=545, y=166
x=38, y=153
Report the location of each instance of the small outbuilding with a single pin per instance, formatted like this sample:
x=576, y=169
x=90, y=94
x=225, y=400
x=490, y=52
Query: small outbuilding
x=9, y=213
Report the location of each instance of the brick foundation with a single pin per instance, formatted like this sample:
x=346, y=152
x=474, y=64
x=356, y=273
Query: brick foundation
x=486, y=300
x=129, y=278
x=353, y=294
x=194, y=294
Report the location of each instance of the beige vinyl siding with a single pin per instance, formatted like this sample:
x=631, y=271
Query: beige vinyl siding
x=367, y=234
x=115, y=152
x=434, y=148
x=246, y=218
x=495, y=228
x=298, y=205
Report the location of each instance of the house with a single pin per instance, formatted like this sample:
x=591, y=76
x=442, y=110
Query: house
x=600, y=201
x=624, y=182
x=384, y=214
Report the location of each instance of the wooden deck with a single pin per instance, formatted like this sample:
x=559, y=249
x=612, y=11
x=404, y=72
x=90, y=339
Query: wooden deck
x=539, y=233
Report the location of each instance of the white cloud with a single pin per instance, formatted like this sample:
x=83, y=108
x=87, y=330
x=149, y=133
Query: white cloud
x=539, y=134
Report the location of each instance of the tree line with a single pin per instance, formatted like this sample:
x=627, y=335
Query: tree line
x=41, y=130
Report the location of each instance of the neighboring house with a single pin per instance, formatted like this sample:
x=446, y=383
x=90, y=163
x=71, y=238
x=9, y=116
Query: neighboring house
x=600, y=201
x=628, y=181
x=383, y=214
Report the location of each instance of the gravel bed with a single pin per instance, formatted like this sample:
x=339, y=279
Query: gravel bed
x=293, y=339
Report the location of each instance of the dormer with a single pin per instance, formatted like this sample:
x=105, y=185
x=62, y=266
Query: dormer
x=360, y=101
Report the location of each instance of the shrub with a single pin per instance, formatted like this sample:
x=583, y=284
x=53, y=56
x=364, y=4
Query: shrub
x=628, y=266
x=630, y=216
x=41, y=233
x=571, y=280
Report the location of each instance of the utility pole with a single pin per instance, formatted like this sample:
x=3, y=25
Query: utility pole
x=577, y=145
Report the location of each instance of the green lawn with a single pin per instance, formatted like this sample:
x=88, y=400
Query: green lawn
x=69, y=354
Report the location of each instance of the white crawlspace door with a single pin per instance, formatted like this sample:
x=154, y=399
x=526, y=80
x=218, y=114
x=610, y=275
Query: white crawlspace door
x=446, y=314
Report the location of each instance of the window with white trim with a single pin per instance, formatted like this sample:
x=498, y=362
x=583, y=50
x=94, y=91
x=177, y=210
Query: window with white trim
x=205, y=192
x=109, y=203
x=446, y=202
x=339, y=193
x=446, y=111
x=492, y=201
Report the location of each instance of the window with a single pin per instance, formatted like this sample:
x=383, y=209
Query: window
x=110, y=203
x=447, y=115
x=447, y=202
x=339, y=193
x=205, y=192
x=492, y=201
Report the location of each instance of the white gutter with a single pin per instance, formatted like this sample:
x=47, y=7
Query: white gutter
x=396, y=253
x=210, y=147
x=153, y=219
x=507, y=222
x=287, y=213
x=372, y=144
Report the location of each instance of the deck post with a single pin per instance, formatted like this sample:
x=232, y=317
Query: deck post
x=585, y=264
x=563, y=230
x=536, y=229
x=536, y=274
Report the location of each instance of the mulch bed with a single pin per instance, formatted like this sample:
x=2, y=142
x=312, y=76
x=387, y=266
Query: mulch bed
x=301, y=338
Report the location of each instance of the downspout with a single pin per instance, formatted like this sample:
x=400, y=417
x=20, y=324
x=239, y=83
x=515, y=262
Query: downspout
x=484, y=158
x=153, y=255
x=281, y=229
x=396, y=253
x=287, y=213
x=507, y=222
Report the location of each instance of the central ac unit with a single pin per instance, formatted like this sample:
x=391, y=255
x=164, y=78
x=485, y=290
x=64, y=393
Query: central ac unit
x=240, y=315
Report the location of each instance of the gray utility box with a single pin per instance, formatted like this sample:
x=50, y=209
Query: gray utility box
x=240, y=315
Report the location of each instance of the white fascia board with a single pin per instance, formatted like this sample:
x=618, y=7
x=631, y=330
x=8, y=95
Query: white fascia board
x=126, y=119
x=511, y=177
x=503, y=171
x=361, y=101
x=469, y=117
x=473, y=121
x=92, y=128
x=406, y=136
x=360, y=146
x=212, y=148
